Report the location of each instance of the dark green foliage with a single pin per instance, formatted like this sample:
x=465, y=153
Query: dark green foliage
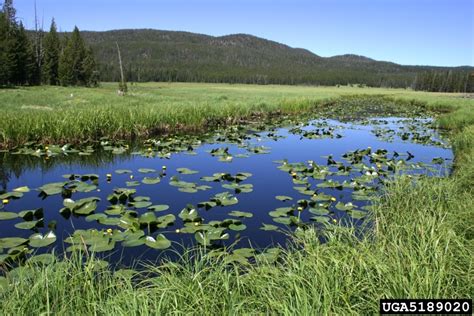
x=70, y=63
x=445, y=81
x=65, y=71
x=52, y=49
x=3, y=49
x=19, y=61
x=77, y=64
x=24, y=60
x=9, y=11
x=16, y=51
x=152, y=55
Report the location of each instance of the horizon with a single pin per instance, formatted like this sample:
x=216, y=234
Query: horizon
x=432, y=33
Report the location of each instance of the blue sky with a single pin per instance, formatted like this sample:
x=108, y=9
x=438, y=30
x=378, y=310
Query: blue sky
x=414, y=32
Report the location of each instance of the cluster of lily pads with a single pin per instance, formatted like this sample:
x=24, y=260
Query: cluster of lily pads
x=365, y=171
x=131, y=220
x=418, y=131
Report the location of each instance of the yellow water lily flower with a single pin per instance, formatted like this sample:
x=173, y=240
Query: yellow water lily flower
x=333, y=199
x=164, y=167
x=5, y=201
x=334, y=220
x=131, y=176
x=178, y=231
x=109, y=230
x=109, y=175
x=300, y=209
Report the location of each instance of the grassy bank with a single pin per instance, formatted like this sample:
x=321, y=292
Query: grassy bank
x=422, y=245
x=67, y=115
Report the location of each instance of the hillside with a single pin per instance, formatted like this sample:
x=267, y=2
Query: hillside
x=154, y=55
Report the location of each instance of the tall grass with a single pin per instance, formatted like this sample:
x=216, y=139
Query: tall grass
x=421, y=246
x=68, y=114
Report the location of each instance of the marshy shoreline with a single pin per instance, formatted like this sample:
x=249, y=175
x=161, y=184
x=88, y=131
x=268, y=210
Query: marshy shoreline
x=421, y=246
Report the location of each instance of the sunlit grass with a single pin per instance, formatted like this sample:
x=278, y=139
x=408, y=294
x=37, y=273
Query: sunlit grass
x=63, y=115
x=421, y=245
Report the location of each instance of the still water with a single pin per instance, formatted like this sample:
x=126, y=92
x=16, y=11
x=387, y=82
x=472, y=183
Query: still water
x=296, y=162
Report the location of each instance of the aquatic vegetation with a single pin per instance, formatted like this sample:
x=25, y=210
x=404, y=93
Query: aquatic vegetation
x=331, y=189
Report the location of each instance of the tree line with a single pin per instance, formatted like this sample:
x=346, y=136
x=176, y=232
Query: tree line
x=34, y=58
x=444, y=81
x=154, y=55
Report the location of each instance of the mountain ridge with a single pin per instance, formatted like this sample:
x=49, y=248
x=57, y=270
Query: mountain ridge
x=161, y=55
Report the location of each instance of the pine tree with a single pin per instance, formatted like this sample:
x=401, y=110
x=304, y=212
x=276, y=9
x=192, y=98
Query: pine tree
x=9, y=12
x=65, y=70
x=91, y=75
x=3, y=50
x=17, y=63
x=76, y=64
x=25, y=64
x=52, y=50
x=8, y=30
x=78, y=55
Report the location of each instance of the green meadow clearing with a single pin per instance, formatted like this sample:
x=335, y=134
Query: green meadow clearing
x=421, y=246
x=64, y=114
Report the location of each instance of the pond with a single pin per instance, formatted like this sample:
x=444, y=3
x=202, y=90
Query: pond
x=240, y=186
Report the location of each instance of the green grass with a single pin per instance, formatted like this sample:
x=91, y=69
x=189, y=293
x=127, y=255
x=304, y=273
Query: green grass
x=421, y=246
x=52, y=115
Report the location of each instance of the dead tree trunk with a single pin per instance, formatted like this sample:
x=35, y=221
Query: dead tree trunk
x=122, y=85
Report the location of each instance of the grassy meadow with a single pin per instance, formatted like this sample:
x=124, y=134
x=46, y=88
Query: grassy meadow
x=68, y=115
x=422, y=244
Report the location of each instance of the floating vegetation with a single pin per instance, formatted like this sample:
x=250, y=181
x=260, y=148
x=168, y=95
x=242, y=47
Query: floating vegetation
x=313, y=173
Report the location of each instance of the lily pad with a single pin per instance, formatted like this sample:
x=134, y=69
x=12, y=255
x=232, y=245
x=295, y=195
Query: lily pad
x=146, y=170
x=52, y=188
x=39, y=240
x=159, y=208
x=28, y=224
x=241, y=214
x=160, y=242
x=283, y=198
x=268, y=227
x=123, y=171
x=7, y=215
x=186, y=171
x=24, y=189
x=10, y=242
x=151, y=180
x=237, y=227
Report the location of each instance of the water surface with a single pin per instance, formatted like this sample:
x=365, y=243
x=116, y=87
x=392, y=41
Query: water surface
x=319, y=144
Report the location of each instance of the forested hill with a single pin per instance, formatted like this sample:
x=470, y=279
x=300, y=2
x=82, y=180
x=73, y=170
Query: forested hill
x=153, y=55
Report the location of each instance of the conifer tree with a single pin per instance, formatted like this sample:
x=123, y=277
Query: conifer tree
x=89, y=67
x=65, y=70
x=9, y=12
x=3, y=50
x=76, y=64
x=52, y=50
x=18, y=59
